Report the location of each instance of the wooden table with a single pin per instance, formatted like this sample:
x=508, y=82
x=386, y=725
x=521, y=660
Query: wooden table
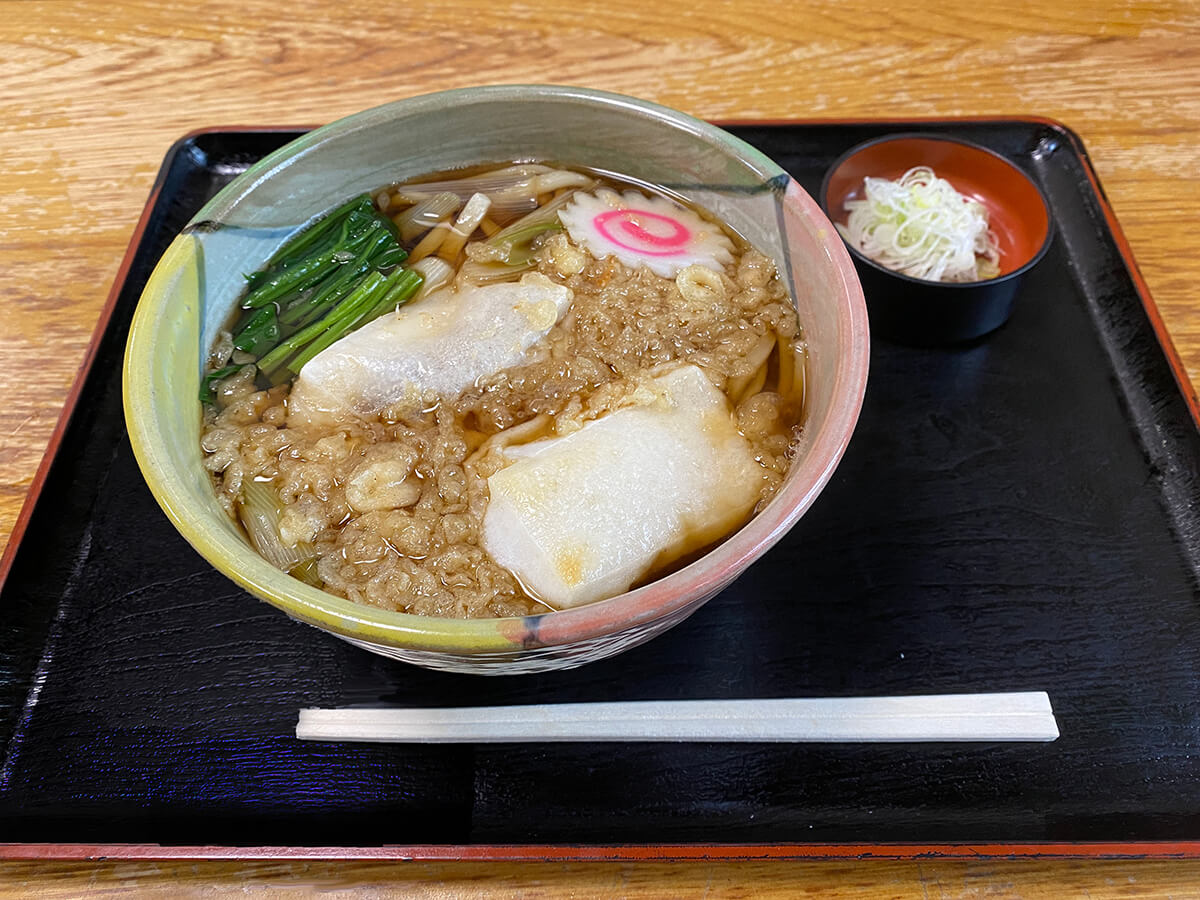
x=92, y=95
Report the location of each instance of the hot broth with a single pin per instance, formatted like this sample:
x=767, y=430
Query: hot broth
x=561, y=314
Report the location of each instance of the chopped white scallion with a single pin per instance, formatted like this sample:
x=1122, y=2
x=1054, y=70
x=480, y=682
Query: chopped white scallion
x=921, y=226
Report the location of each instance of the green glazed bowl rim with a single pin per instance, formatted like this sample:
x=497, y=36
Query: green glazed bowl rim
x=234, y=558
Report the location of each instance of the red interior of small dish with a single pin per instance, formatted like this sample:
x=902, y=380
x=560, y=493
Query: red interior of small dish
x=1017, y=214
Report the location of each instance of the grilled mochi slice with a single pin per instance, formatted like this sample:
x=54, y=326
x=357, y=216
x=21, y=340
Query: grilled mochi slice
x=582, y=517
x=441, y=344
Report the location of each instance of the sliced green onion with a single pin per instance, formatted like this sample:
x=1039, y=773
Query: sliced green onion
x=306, y=571
x=435, y=273
x=416, y=220
x=511, y=190
x=493, y=181
x=509, y=252
x=520, y=243
x=480, y=273
x=464, y=226
x=542, y=219
x=259, y=510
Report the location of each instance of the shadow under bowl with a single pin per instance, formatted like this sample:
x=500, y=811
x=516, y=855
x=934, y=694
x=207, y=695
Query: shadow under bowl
x=921, y=312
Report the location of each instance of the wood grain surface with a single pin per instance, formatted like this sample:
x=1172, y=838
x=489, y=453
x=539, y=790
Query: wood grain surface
x=931, y=879
x=93, y=94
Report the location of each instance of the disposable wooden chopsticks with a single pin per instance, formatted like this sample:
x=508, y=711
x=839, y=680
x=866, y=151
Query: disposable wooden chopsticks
x=1018, y=716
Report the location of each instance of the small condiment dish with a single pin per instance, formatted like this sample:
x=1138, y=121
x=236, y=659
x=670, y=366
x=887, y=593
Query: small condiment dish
x=917, y=311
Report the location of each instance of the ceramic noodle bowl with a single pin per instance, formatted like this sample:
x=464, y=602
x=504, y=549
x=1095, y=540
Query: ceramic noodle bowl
x=193, y=291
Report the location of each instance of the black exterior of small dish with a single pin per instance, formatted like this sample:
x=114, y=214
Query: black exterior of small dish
x=921, y=313
x=917, y=312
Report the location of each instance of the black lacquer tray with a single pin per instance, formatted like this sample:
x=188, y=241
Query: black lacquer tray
x=1019, y=514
